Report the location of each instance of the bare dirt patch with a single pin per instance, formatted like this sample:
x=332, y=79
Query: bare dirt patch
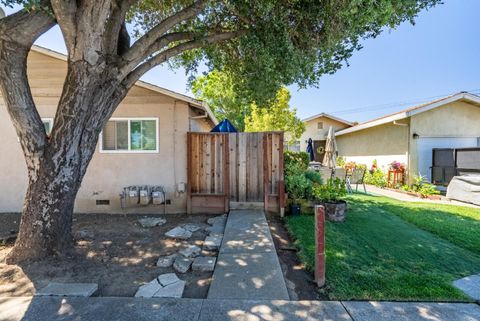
x=300, y=283
x=111, y=250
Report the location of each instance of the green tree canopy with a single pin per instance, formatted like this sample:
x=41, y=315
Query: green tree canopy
x=282, y=41
x=276, y=116
x=218, y=91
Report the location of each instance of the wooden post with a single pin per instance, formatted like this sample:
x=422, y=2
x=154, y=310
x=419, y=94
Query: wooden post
x=320, y=245
x=281, y=183
x=226, y=171
x=281, y=197
x=189, y=173
x=266, y=171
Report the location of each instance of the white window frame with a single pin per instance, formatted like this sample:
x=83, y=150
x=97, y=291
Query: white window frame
x=130, y=151
x=50, y=122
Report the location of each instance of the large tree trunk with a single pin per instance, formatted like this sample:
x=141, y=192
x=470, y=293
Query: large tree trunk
x=46, y=224
x=89, y=97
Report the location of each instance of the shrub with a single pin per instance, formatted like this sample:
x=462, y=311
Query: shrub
x=361, y=166
x=340, y=161
x=296, y=183
x=314, y=177
x=423, y=188
x=376, y=178
x=300, y=158
x=331, y=192
x=428, y=189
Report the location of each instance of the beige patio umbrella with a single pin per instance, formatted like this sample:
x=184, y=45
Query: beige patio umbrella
x=330, y=157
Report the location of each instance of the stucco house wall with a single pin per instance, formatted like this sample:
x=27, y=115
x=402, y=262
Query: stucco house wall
x=458, y=119
x=385, y=143
x=410, y=139
x=312, y=131
x=107, y=173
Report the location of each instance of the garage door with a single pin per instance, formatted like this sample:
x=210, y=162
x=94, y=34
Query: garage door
x=426, y=144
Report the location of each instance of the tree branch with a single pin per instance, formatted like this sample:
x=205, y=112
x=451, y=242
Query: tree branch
x=174, y=51
x=65, y=11
x=18, y=32
x=138, y=51
x=160, y=44
x=117, y=39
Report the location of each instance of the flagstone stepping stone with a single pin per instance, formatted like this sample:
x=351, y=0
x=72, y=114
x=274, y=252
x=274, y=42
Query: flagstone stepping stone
x=191, y=227
x=182, y=264
x=217, y=219
x=213, y=242
x=149, y=289
x=470, y=285
x=164, y=286
x=151, y=221
x=173, y=290
x=167, y=279
x=204, y=263
x=166, y=261
x=179, y=233
x=190, y=251
x=68, y=289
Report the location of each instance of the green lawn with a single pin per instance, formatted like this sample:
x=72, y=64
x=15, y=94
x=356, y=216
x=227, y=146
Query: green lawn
x=387, y=249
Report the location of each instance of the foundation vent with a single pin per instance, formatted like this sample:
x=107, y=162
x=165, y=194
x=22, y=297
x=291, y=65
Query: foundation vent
x=102, y=202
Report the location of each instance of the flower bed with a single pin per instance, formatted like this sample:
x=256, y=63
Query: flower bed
x=434, y=197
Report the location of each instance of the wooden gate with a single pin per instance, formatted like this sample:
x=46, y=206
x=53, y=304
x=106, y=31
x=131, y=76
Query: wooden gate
x=234, y=167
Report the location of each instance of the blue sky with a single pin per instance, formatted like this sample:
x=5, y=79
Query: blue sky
x=437, y=56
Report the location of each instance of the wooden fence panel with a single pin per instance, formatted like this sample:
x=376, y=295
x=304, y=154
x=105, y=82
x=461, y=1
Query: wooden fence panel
x=235, y=167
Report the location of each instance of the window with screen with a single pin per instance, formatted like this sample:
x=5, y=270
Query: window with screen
x=130, y=135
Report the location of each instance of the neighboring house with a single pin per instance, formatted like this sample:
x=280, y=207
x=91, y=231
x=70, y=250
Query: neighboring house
x=409, y=136
x=316, y=128
x=144, y=143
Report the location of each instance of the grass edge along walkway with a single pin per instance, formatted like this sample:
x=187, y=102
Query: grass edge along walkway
x=376, y=255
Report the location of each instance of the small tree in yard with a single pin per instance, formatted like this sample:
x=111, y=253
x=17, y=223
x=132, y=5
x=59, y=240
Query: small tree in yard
x=217, y=89
x=265, y=44
x=277, y=115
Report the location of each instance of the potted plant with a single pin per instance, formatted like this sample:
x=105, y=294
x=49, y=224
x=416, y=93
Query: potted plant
x=297, y=186
x=331, y=196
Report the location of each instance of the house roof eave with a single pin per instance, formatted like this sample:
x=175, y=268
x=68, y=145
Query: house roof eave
x=412, y=111
x=346, y=122
x=167, y=92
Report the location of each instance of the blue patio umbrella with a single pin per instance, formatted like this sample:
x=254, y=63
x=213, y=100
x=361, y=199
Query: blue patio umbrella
x=225, y=126
x=310, y=149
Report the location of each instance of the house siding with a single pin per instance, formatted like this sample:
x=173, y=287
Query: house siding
x=389, y=142
x=107, y=173
x=311, y=130
x=385, y=143
x=453, y=120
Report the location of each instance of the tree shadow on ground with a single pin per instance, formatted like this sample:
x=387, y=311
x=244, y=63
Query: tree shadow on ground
x=111, y=250
x=376, y=254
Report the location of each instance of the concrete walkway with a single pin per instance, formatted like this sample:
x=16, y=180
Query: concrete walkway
x=247, y=264
x=126, y=309
x=409, y=198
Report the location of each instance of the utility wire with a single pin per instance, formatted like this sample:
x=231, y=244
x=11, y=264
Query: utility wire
x=394, y=104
